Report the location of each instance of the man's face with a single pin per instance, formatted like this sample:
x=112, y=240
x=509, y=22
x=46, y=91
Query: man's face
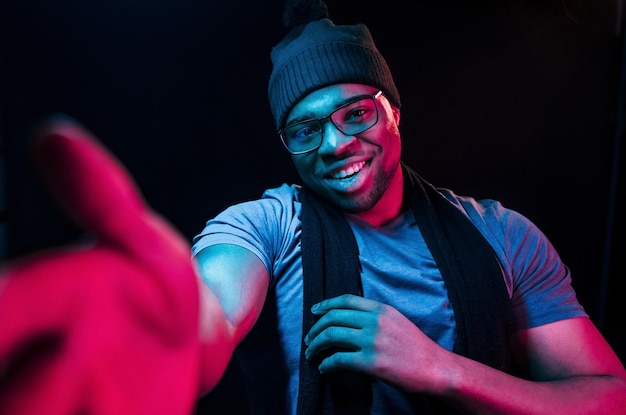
x=351, y=171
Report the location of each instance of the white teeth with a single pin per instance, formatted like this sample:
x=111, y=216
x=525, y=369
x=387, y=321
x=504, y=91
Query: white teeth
x=355, y=168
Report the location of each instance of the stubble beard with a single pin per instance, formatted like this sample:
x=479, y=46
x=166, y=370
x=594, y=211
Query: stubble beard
x=382, y=180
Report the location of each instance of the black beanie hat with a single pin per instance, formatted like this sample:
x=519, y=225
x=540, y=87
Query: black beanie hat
x=320, y=53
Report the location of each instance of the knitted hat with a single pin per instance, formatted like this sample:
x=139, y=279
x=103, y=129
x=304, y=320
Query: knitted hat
x=319, y=54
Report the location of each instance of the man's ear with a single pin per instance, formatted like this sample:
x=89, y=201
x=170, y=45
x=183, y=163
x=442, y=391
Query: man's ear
x=396, y=114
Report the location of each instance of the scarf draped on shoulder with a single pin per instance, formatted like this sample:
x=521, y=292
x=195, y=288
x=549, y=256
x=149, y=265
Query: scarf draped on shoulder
x=468, y=265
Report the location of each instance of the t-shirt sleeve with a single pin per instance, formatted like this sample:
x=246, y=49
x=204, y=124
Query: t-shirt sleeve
x=539, y=283
x=265, y=226
x=542, y=283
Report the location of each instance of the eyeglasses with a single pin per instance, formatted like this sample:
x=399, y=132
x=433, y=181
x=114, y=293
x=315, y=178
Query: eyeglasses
x=350, y=119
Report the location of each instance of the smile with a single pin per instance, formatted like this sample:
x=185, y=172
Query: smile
x=350, y=171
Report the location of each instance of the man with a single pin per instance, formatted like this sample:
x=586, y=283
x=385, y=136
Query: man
x=405, y=298
x=452, y=304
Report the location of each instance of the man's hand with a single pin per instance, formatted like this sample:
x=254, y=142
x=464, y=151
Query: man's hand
x=110, y=326
x=374, y=338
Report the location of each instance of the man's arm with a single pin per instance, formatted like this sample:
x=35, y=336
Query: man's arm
x=573, y=371
x=572, y=367
x=121, y=324
x=236, y=279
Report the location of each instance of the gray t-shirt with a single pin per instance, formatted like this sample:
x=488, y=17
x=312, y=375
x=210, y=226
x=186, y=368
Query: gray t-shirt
x=397, y=269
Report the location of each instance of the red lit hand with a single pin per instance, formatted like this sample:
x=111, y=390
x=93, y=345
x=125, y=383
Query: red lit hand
x=108, y=327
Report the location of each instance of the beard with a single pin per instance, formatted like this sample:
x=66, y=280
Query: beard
x=381, y=182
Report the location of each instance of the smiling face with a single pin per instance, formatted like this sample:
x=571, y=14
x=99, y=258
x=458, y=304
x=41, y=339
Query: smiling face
x=357, y=173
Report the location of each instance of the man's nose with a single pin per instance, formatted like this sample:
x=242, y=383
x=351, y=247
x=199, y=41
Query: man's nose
x=334, y=141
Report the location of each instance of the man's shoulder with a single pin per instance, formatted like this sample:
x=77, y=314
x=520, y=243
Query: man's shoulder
x=278, y=202
x=284, y=192
x=472, y=205
x=488, y=214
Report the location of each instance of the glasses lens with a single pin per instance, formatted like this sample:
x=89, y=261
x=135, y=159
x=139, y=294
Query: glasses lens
x=303, y=136
x=356, y=117
x=353, y=118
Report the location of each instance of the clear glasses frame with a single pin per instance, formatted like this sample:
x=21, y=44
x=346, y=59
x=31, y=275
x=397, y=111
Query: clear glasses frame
x=352, y=118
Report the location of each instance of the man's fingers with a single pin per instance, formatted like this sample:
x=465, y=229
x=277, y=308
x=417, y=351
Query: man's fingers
x=337, y=318
x=118, y=317
x=35, y=306
x=98, y=192
x=345, y=301
x=87, y=180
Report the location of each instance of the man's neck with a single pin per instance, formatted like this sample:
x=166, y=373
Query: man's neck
x=390, y=205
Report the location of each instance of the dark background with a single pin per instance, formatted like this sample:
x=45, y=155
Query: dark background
x=520, y=101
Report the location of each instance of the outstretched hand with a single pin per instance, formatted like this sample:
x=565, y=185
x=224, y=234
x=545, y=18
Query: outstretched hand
x=105, y=327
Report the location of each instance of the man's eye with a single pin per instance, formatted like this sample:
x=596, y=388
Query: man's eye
x=356, y=114
x=302, y=134
x=305, y=133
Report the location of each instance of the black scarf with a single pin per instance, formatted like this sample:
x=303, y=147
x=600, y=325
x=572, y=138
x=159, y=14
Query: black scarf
x=469, y=268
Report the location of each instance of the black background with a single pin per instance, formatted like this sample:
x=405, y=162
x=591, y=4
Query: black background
x=518, y=101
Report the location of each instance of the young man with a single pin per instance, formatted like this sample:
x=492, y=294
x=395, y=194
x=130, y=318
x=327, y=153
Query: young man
x=367, y=290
